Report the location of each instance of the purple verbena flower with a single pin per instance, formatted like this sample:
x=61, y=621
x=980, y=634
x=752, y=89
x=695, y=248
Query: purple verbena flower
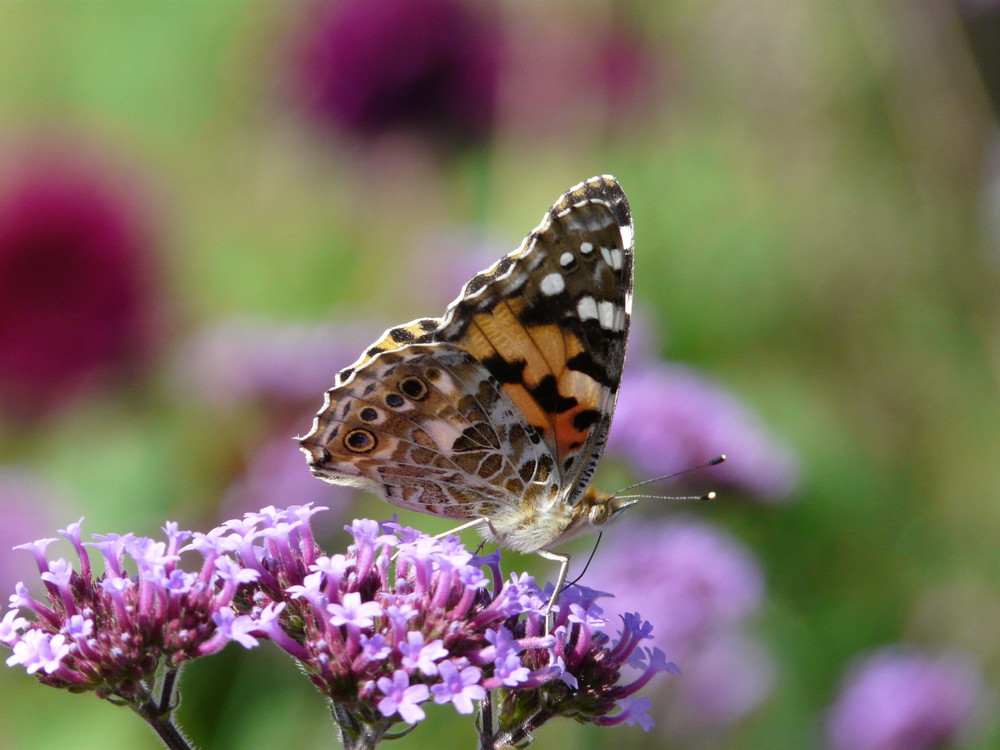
x=403, y=616
x=401, y=697
x=901, y=699
x=353, y=612
x=111, y=634
x=458, y=686
x=422, y=656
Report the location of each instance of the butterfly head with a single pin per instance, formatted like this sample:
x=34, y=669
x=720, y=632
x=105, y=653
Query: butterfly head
x=601, y=507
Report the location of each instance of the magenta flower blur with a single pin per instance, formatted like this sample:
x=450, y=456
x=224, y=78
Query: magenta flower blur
x=403, y=618
x=901, y=699
x=580, y=74
x=74, y=280
x=670, y=418
x=368, y=67
x=111, y=634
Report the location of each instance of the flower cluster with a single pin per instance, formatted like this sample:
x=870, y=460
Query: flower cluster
x=403, y=618
x=111, y=634
x=398, y=620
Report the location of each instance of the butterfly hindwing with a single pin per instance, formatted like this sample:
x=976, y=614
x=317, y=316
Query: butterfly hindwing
x=430, y=430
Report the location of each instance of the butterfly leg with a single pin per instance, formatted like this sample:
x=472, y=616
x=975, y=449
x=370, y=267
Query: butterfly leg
x=463, y=527
x=563, y=561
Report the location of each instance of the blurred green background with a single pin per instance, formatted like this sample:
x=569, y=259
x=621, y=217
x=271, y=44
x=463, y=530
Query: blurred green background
x=815, y=190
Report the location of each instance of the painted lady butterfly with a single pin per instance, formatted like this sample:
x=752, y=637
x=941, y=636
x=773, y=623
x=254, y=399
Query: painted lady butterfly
x=498, y=412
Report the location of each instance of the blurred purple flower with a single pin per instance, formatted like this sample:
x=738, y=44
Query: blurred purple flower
x=368, y=67
x=700, y=580
x=74, y=278
x=261, y=362
x=702, y=586
x=630, y=70
x=900, y=699
x=28, y=506
x=455, y=257
x=722, y=682
x=669, y=417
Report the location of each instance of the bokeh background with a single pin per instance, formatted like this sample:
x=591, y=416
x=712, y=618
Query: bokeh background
x=206, y=209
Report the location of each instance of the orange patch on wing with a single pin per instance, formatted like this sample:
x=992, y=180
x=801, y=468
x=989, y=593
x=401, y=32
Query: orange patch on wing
x=528, y=406
x=545, y=349
x=569, y=438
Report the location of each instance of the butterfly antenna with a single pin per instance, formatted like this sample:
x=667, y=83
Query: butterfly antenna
x=590, y=559
x=710, y=496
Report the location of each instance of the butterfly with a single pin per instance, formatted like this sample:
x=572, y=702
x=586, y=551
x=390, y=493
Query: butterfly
x=497, y=413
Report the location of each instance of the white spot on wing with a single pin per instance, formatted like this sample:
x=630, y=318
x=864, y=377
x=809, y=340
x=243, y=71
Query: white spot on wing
x=628, y=235
x=566, y=259
x=586, y=308
x=606, y=314
x=552, y=284
x=586, y=248
x=613, y=257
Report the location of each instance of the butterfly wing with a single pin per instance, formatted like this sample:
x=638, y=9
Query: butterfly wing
x=516, y=383
x=550, y=322
x=429, y=429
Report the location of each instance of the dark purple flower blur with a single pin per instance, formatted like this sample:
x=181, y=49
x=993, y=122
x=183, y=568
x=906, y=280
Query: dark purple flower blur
x=74, y=281
x=901, y=699
x=589, y=72
x=369, y=67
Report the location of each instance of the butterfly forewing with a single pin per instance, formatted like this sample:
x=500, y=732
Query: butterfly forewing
x=550, y=322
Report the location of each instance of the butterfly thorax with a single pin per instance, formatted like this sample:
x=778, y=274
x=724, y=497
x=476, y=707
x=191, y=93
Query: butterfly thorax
x=542, y=525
